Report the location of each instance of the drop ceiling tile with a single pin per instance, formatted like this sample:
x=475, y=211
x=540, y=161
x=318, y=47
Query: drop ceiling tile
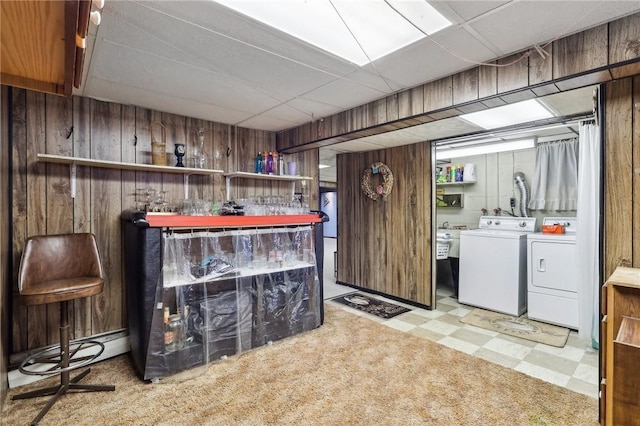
x=237, y=27
x=585, y=80
x=152, y=73
x=182, y=41
x=444, y=129
x=284, y=115
x=395, y=138
x=467, y=10
x=522, y=95
x=546, y=90
x=572, y=102
x=266, y=122
x=344, y=94
x=130, y=95
x=318, y=109
x=523, y=24
x=370, y=77
x=357, y=146
x=425, y=60
x=471, y=107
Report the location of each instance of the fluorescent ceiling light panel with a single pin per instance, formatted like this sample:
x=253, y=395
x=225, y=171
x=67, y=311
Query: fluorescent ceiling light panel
x=323, y=166
x=442, y=153
x=507, y=115
x=347, y=27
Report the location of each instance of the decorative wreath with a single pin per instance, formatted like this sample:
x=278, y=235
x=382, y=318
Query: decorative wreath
x=380, y=190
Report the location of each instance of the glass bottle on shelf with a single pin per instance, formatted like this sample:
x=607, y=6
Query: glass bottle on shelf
x=269, y=163
x=168, y=336
x=259, y=163
x=199, y=159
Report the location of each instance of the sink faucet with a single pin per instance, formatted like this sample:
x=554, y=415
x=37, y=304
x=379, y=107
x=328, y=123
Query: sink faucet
x=445, y=225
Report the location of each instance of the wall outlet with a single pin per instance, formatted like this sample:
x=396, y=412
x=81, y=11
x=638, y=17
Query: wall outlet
x=512, y=202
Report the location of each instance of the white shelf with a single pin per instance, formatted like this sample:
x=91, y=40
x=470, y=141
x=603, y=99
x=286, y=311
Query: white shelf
x=175, y=281
x=61, y=159
x=106, y=164
x=248, y=175
x=454, y=183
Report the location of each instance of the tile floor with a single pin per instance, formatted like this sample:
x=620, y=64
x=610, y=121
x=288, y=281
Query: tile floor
x=575, y=366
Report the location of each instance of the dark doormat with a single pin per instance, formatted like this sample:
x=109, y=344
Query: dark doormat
x=370, y=305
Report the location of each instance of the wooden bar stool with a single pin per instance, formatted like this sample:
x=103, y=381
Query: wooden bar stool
x=56, y=269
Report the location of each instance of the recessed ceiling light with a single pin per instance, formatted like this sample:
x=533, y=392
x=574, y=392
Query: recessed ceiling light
x=358, y=31
x=520, y=112
x=322, y=166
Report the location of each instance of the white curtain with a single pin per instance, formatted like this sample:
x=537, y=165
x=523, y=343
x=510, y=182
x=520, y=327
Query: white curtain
x=555, y=180
x=587, y=233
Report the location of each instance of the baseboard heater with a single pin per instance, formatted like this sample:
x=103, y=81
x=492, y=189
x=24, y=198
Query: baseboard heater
x=115, y=343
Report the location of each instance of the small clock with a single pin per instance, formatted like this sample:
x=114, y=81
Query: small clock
x=179, y=151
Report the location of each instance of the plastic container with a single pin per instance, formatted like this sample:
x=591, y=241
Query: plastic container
x=469, y=174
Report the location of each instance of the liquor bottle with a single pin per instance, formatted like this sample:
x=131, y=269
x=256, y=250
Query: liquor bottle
x=259, y=163
x=168, y=334
x=275, y=163
x=269, y=168
x=281, y=165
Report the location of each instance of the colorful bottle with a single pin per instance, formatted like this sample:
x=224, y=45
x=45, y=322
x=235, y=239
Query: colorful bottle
x=259, y=163
x=275, y=163
x=452, y=175
x=269, y=161
x=458, y=173
x=281, y=165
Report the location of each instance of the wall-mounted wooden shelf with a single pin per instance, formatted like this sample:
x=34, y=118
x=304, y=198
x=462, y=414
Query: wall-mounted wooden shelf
x=78, y=161
x=248, y=175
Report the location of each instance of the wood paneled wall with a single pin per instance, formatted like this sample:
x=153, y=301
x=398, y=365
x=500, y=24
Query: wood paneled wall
x=622, y=175
x=42, y=202
x=593, y=56
x=4, y=242
x=386, y=245
x=597, y=55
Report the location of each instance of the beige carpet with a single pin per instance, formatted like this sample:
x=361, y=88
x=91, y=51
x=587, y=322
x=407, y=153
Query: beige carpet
x=351, y=371
x=518, y=326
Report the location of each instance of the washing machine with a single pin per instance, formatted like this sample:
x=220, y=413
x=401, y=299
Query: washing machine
x=552, y=284
x=493, y=264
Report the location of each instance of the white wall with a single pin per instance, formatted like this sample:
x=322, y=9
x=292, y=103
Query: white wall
x=494, y=188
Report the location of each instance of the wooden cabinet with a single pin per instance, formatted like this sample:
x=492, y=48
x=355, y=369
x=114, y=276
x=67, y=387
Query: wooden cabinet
x=620, y=349
x=39, y=44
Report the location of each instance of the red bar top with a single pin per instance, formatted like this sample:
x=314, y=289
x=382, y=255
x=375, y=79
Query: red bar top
x=180, y=221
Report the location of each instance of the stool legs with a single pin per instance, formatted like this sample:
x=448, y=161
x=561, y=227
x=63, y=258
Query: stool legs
x=66, y=384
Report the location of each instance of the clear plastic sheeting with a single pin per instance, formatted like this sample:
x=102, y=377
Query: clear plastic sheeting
x=221, y=293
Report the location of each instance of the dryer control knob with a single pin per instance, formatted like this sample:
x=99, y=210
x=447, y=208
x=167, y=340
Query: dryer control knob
x=522, y=224
x=489, y=222
x=497, y=222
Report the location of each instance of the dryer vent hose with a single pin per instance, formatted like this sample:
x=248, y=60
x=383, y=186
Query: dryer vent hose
x=524, y=193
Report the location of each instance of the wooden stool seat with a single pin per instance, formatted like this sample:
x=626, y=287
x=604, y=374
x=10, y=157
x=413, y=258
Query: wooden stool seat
x=57, y=269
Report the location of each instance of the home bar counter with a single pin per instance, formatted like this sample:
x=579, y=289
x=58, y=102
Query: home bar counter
x=202, y=288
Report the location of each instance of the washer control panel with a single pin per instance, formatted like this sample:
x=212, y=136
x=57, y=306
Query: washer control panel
x=508, y=223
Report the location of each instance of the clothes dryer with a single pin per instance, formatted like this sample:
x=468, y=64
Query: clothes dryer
x=551, y=278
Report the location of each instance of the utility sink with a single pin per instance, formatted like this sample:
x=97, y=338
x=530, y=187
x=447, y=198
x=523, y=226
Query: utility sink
x=454, y=243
